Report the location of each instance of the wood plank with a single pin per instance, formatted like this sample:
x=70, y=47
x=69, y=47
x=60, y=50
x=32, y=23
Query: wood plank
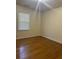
x=38, y=48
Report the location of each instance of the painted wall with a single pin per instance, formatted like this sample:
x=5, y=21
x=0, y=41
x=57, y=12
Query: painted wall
x=34, y=23
x=48, y=25
x=52, y=24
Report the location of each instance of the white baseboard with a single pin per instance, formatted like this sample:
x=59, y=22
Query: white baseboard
x=26, y=37
x=52, y=39
x=42, y=36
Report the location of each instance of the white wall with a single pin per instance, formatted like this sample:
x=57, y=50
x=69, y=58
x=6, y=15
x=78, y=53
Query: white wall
x=34, y=23
x=52, y=24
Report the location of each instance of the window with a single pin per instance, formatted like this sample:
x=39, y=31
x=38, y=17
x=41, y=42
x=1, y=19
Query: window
x=23, y=21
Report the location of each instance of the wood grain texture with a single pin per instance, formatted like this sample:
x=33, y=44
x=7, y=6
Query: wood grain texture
x=38, y=48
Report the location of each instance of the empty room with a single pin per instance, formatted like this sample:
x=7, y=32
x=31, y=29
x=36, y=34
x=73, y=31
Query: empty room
x=38, y=29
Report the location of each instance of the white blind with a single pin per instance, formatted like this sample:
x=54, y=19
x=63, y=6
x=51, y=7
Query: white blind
x=23, y=21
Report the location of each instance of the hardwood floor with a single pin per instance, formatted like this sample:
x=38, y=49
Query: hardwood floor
x=38, y=48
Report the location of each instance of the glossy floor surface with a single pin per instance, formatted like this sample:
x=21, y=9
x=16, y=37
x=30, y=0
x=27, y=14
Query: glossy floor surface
x=38, y=48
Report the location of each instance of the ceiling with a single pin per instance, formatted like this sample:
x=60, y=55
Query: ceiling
x=42, y=6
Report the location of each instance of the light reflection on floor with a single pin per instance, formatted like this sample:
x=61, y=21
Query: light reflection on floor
x=22, y=51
